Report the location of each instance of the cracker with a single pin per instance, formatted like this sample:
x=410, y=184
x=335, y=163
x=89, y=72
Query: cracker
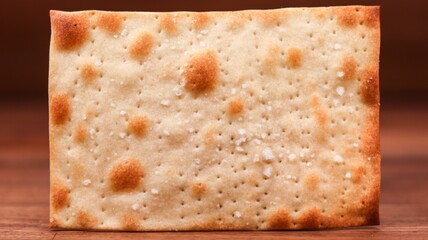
x=253, y=120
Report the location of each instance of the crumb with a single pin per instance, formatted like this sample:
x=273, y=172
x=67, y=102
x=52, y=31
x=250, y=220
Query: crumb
x=86, y=182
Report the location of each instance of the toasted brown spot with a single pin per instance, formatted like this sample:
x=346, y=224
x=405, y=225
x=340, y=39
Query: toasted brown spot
x=270, y=18
x=199, y=188
x=138, y=125
x=280, y=219
x=53, y=223
x=167, y=23
x=200, y=20
x=85, y=220
x=347, y=17
x=69, y=30
x=312, y=181
x=80, y=133
x=208, y=137
x=358, y=173
x=371, y=16
x=294, y=56
x=349, y=67
x=320, y=112
x=88, y=72
x=237, y=20
x=126, y=175
x=59, y=196
x=142, y=45
x=111, y=22
x=59, y=109
x=310, y=218
x=235, y=106
x=370, y=86
x=130, y=223
x=370, y=136
x=201, y=72
x=271, y=60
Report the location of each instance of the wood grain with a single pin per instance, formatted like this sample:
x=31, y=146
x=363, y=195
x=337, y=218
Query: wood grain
x=24, y=182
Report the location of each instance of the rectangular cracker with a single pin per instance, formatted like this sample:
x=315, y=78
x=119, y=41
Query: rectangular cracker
x=253, y=120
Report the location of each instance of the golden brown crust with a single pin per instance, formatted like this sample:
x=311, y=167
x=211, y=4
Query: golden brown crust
x=371, y=16
x=199, y=188
x=110, y=22
x=80, y=133
x=69, y=30
x=280, y=219
x=200, y=20
x=88, y=72
x=59, y=108
x=295, y=57
x=201, y=72
x=130, y=223
x=138, y=125
x=85, y=220
x=167, y=23
x=142, y=46
x=59, y=196
x=235, y=106
x=310, y=218
x=320, y=112
x=347, y=17
x=126, y=176
x=270, y=19
x=312, y=181
x=370, y=85
x=349, y=67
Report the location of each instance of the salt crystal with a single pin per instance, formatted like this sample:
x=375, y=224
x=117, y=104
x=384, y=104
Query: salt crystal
x=340, y=90
x=268, y=154
x=233, y=91
x=84, y=117
x=135, y=206
x=239, y=149
x=166, y=132
x=124, y=33
x=257, y=141
x=165, y=102
x=348, y=175
x=112, y=105
x=240, y=140
x=98, y=62
x=256, y=158
x=369, y=158
x=338, y=158
x=264, y=135
x=302, y=154
x=355, y=145
x=86, y=182
x=202, y=44
x=115, y=36
x=154, y=191
x=291, y=156
x=340, y=74
x=244, y=86
x=267, y=172
x=92, y=131
x=177, y=91
x=241, y=131
x=197, y=161
x=237, y=214
x=172, y=47
x=308, y=164
x=122, y=113
x=122, y=135
x=190, y=130
x=337, y=46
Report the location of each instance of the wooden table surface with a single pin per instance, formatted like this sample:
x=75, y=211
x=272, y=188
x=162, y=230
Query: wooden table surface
x=24, y=182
